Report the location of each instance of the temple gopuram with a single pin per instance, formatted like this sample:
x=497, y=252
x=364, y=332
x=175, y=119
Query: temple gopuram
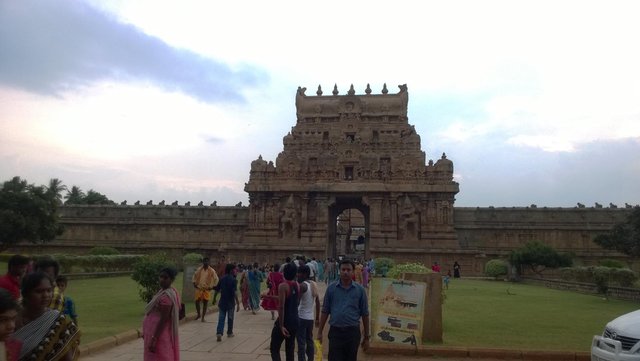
x=352, y=151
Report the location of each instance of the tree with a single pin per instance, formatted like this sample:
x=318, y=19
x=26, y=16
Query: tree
x=54, y=190
x=94, y=197
x=624, y=237
x=27, y=213
x=538, y=257
x=74, y=196
x=77, y=196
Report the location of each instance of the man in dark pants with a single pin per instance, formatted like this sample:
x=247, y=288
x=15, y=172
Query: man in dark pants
x=227, y=287
x=346, y=302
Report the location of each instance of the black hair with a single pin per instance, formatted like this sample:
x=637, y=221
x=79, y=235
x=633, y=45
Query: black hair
x=290, y=270
x=33, y=280
x=305, y=270
x=170, y=271
x=47, y=262
x=7, y=302
x=205, y=259
x=18, y=260
x=288, y=259
x=276, y=267
x=229, y=268
x=347, y=261
x=61, y=279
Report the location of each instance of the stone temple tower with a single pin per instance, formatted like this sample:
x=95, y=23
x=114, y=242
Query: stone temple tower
x=352, y=152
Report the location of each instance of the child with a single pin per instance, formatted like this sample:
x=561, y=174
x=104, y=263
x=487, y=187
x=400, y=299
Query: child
x=69, y=306
x=446, y=280
x=9, y=348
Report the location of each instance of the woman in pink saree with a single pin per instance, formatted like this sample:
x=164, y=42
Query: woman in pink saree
x=160, y=325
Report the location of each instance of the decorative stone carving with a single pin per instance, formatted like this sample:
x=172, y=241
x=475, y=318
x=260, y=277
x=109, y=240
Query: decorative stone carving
x=408, y=219
x=289, y=220
x=175, y=203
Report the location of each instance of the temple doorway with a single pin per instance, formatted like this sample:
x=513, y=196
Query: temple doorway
x=348, y=229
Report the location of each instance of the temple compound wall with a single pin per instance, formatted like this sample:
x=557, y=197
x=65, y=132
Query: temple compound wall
x=482, y=233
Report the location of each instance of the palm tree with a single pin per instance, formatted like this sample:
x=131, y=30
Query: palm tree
x=54, y=190
x=75, y=196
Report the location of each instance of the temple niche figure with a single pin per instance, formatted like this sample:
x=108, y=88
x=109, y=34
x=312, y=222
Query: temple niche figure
x=289, y=220
x=407, y=221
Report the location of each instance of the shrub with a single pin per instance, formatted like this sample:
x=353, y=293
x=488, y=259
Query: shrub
x=382, y=265
x=99, y=251
x=146, y=272
x=603, y=277
x=191, y=259
x=612, y=263
x=496, y=268
x=397, y=270
x=96, y=263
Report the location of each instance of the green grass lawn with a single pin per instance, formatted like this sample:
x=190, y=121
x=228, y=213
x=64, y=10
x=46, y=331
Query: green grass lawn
x=483, y=314
x=108, y=306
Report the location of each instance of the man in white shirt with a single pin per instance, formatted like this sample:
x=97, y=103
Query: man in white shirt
x=308, y=313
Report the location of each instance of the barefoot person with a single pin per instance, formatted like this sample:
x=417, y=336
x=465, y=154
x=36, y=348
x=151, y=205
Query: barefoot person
x=204, y=280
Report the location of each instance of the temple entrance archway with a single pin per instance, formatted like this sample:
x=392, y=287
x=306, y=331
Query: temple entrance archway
x=348, y=232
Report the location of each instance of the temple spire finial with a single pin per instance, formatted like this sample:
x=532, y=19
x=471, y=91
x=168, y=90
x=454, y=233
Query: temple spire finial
x=351, y=91
x=368, y=90
x=319, y=92
x=335, y=89
x=384, y=89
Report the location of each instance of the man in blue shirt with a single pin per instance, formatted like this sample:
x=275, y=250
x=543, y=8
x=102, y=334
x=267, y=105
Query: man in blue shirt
x=228, y=298
x=346, y=302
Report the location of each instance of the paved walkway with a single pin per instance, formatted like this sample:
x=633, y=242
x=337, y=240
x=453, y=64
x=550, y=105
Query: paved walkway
x=251, y=342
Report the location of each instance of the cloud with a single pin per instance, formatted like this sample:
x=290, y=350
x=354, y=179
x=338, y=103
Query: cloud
x=50, y=47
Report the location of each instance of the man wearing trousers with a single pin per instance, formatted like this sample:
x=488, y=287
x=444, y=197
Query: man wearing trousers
x=346, y=302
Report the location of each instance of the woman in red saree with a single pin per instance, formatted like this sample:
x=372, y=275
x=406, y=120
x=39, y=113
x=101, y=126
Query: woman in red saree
x=270, y=300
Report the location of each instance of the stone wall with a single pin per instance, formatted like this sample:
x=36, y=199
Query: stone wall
x=483, y=234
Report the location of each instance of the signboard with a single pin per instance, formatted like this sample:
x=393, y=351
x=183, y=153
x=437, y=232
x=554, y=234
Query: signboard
x=397, y=309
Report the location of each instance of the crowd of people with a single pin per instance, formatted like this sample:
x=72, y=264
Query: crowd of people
x=37, y=322
x=291, y=296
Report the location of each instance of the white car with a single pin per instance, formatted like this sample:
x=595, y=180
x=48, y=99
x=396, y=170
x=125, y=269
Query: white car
x=620, y=340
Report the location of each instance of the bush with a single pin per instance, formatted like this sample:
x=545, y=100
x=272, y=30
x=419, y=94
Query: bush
x=96, y=263
x=612, y=263
x=603, y=277
x=382, y=265
x=397, y=271
x=146, y=272
x=101, y=251
x=191, y=259
x=496, y=268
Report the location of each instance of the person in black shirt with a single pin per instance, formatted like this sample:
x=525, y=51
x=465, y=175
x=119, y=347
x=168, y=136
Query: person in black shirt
x=286, y=325
x=227, y=288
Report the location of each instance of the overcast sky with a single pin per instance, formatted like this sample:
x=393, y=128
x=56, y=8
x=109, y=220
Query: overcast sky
x=535, y=102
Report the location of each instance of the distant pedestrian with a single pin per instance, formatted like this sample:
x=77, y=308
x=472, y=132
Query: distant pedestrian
x=308, y=314
x=227, y=288
x=286, y=325
x=435, y=267
x=446, y=280
x=16, y=269
x=255, y=280
x=204, y=280
x=456, y=269
x=270, y=300
x=160, y=325
x=345, y=302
